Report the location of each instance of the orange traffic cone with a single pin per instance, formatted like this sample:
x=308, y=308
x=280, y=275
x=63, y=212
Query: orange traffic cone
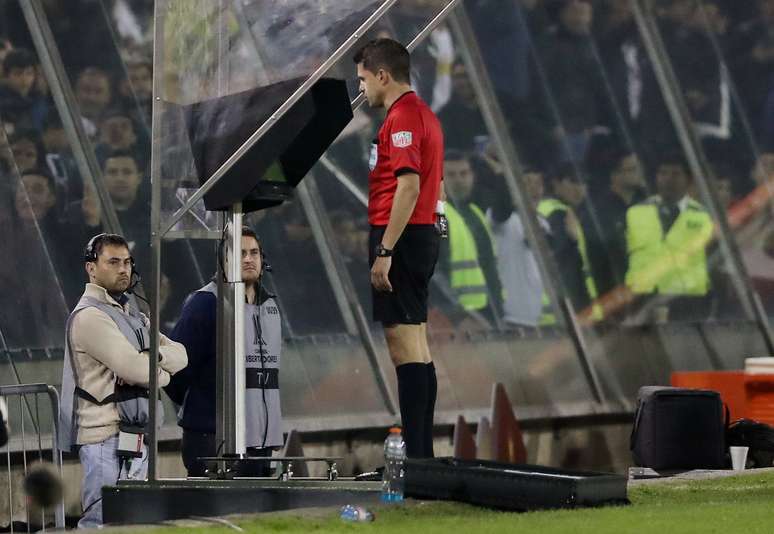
x=464, y=445
x=507, y=440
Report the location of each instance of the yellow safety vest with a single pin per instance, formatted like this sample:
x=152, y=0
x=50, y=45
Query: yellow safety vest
x=547, y=316
x=466, y=277
x=546, y=207
x=671, y=264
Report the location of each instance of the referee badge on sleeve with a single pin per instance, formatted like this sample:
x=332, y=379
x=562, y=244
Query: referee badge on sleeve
x=401, y=139
x=373, y=158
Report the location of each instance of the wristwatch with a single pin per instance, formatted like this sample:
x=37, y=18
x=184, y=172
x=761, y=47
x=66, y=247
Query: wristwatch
x=382, y=252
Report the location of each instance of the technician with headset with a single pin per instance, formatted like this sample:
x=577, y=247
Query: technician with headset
x=194, y=388
x=104, y=397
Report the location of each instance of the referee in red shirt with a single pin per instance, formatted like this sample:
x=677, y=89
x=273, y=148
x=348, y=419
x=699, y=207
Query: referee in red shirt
x=403, y=191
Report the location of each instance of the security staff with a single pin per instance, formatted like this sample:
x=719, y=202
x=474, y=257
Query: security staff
x=469, y=260
x=194, y=388
x=106, y=353
x=566, y=237
x=403, y=191
x=606, y=227
x=667, y=237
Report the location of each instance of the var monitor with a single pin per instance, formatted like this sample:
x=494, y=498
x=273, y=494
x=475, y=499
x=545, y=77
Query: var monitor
x=266, y=174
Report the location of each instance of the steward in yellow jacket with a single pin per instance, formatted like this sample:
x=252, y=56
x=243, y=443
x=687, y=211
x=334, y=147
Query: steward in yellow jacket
x=467, y=258
x=667, y=237
x=665, y=258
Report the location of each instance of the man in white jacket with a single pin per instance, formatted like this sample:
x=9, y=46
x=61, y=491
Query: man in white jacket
x=107, y=347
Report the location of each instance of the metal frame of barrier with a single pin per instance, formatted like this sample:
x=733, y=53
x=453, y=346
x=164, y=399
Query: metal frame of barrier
x=22, y=390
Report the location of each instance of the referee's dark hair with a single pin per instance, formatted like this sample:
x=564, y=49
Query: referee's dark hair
x=386, y=54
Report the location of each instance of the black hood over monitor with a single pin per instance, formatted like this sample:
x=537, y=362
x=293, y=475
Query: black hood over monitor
x=267, y=173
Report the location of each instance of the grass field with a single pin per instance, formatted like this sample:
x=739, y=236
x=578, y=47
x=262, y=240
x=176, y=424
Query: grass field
x=743, y=504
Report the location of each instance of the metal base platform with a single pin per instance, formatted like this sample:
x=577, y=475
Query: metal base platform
x=133, y=502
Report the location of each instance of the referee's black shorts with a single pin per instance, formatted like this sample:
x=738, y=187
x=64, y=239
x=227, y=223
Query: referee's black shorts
x=413, y=262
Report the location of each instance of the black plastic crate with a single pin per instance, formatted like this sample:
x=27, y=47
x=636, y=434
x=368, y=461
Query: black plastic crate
x=511, y=486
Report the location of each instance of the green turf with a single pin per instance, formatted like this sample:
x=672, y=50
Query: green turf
x=743, y=504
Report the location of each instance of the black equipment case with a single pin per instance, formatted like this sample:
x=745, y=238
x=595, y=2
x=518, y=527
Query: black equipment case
x=678, y=429
x=520, y=487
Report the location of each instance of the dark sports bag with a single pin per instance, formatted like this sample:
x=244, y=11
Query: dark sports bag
x=759, y=437
x=753, y=434
x=678, y=429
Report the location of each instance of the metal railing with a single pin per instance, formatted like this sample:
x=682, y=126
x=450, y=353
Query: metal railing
x=18, y=438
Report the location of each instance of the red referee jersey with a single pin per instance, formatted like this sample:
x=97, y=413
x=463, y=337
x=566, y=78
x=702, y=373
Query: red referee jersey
x=409, y=141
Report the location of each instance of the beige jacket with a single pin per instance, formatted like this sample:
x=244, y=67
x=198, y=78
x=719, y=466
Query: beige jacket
x=101, y=354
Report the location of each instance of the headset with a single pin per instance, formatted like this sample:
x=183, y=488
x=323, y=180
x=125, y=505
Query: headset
x=90, y=255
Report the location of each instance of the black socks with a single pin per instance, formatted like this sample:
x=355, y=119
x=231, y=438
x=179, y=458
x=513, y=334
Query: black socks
x=417, y=389
x=432, y=391
x=412, y=396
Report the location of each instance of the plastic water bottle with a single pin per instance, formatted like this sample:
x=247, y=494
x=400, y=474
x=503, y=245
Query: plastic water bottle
x=353, y=513
x=394, y=460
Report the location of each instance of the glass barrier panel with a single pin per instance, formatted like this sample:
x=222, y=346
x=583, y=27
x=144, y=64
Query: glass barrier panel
x=324, y=373
x=630, y=176
x=618, y=187
x=298, y=276
x=504, y=322
x=729, y=96
x=344, y=168
x=239, y=47
x=112, y=91
x=37, y=245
